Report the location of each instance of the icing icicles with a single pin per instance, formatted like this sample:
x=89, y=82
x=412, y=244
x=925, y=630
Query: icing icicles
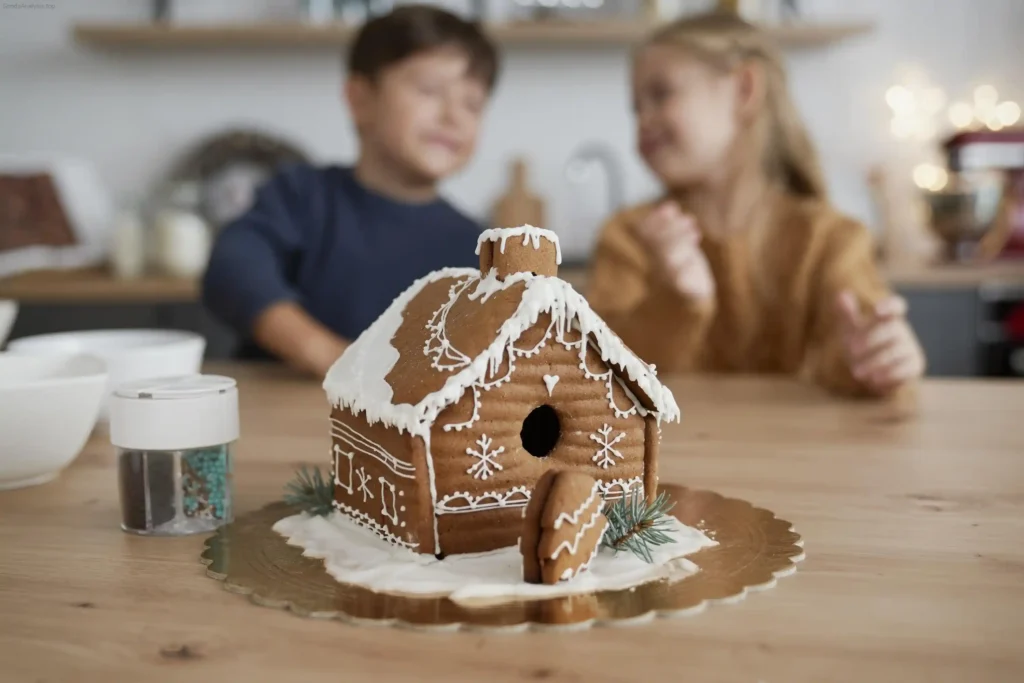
x=529, y=234
x=357, y=379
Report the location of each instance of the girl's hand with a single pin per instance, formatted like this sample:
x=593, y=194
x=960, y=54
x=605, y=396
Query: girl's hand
x=882, y=350
x=672, y=240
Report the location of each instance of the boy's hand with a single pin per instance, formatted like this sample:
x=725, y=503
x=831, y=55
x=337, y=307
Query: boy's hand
x=294, y=336
x=672, y=240
x=881, y=348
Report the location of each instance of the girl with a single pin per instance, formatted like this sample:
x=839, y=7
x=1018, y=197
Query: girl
x=742, y=266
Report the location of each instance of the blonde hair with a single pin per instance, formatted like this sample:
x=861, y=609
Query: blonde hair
x=724, y=41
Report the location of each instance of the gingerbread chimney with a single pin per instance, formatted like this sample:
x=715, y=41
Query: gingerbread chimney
x=519, y=250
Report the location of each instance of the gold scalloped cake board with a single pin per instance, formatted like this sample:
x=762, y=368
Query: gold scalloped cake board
x=754, y=548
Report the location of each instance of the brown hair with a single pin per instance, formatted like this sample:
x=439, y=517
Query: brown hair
x=723, y=41
x=412, y=29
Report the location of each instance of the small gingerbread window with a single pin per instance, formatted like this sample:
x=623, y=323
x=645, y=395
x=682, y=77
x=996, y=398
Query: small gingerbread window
x=541, y=431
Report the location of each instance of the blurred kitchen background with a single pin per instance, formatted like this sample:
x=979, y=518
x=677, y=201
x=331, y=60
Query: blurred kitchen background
x=131, y=129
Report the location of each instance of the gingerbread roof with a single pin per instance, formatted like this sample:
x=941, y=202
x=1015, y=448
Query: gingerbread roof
x=456, y=328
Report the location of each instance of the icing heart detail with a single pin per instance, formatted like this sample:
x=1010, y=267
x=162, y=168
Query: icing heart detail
x=550, y=381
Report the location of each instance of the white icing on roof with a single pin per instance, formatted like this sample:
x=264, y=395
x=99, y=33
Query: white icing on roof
x=527, y=232
x=358, y=374
x=357, y=379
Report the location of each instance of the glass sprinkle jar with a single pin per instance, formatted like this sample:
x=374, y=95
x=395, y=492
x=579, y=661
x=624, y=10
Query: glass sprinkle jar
x=174, y=438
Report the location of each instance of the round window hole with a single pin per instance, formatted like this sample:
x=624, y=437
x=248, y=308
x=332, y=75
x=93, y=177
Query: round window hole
x=540, y=432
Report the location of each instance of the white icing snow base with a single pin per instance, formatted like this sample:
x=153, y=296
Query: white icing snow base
x=356, y=556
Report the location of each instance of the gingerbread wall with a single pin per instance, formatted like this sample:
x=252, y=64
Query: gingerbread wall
x=381, y=481
x=482, y=493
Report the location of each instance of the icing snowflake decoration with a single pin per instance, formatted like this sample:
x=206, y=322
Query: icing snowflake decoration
x=486, y=462
x=606, y=454
x=364, y=479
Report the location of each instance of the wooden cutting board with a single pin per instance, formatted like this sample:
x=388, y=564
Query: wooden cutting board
x=518, y=205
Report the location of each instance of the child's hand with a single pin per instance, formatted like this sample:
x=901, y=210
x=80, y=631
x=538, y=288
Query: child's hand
x=672, y=239
x=880, y=347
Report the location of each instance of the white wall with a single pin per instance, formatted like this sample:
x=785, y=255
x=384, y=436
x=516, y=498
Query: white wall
x=132, y=112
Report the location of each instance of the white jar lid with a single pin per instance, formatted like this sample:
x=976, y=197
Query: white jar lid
x=174, y=413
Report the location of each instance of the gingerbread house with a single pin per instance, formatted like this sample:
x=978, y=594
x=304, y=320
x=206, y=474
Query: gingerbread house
x=447, y=410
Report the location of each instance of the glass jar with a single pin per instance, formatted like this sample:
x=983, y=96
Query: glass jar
x=174, y=439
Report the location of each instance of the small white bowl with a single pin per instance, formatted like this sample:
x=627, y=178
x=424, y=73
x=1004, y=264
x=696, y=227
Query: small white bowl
x=48, y=408
x=8, y=312
x=130, y=355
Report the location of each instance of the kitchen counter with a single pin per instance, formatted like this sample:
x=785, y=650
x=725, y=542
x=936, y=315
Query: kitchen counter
x=918, y=276
x=912, y=529
x=957, y=276
x=97, y=285
x=947, y=306
x=93, y=298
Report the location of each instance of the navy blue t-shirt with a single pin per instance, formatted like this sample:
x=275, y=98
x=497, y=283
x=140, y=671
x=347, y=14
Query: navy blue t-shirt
x=316, y=236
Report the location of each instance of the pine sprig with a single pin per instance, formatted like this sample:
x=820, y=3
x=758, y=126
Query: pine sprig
x=638, y=526
x=310, y=492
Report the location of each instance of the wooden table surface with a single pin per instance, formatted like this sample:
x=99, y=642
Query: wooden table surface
x=914, y=532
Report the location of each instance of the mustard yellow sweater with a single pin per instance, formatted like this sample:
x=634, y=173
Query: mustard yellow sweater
x=774, y=309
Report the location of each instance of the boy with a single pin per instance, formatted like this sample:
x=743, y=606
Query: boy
x=324, y=251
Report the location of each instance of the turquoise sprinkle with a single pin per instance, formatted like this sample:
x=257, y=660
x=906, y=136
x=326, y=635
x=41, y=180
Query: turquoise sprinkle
x=204, y=483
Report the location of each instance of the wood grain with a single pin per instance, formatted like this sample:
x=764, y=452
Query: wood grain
x=96, y=285
x=913, y=530
x=551, y=33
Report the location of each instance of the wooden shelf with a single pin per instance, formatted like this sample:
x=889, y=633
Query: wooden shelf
x=146, y=36
x=96, y=285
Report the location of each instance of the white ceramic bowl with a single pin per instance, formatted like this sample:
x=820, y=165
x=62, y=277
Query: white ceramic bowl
x=8, y=312
x=129, y=354
x=48, y=407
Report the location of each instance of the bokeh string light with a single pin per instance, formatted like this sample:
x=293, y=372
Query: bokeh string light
x=930, y=177
x=917, y=105
x=984, y=111
x=914, y=109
